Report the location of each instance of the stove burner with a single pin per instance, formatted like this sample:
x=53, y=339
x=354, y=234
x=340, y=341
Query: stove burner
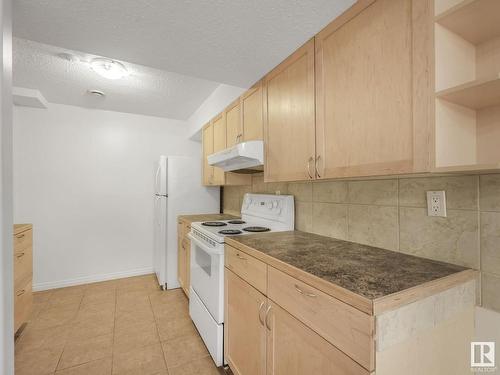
x=214, y=224
x=256, y=229
x=230, y=231
x=236, y=222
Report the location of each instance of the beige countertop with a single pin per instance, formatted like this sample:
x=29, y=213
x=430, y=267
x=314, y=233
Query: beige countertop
x=361, y=275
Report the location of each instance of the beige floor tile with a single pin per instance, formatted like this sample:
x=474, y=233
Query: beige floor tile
x=99, y=367
x=77, y=290
x=55, y=316
x=37, y=362
x=135, y=336
x=96, y=311
x=69, y=301
x=203, y=366
x=184, y=350
x=173, y=311
x=171, y=329
x=132, y=301
x=92, y=327
x=102, y=286
x=144, y=361
x=168, y=297
x=40, y=297
x=36, y=339
x=98, y=297
x=125, y=319
x=78, y=352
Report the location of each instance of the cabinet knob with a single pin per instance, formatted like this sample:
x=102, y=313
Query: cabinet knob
x=20, y=236
x=19, y=255
x=297, y=288
x=20, y=293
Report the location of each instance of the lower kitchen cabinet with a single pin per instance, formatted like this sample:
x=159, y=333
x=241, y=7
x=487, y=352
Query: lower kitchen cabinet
x=245, y=333
x=183, y=255
x=263, y=338
x=23, y=274
x=295, y=349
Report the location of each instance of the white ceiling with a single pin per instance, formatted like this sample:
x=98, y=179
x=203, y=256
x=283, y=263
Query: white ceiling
x=145, y=91
x=229, y=41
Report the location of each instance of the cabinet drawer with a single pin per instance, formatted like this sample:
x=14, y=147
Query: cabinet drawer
x=250, y=269
x=23, y=240
x=23, y=302
x=23, y=266
x=349, y=329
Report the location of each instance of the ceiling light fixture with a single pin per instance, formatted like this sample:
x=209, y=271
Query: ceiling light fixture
x=108, y=68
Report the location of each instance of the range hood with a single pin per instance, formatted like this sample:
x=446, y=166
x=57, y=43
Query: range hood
x=245, y=155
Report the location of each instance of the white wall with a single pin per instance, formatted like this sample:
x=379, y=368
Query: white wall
x=488, y=329
x=84, y=178
x=219, y=99
x=6, y=254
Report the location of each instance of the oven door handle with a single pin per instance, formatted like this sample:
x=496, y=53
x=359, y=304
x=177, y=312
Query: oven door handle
x=204, y=247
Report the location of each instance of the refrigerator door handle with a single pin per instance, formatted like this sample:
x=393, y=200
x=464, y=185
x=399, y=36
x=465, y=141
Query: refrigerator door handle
x=156, y=177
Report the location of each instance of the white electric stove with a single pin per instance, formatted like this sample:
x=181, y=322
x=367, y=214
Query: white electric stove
x=259, y=214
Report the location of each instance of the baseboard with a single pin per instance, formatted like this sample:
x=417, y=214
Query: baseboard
x=91, y=279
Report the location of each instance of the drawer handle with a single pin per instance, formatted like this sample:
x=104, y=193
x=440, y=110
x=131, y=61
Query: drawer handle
x=260, y=313
x=239, y=256
x=20, y=255
x=267, y=318
x=20, y=293
x=20, y=236
x=297, y=288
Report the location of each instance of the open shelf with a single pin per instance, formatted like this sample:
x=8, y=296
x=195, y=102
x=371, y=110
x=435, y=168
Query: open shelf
x=476, y=94
x=474, y=20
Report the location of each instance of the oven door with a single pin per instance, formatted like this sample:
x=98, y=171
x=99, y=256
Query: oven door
x=207, y=276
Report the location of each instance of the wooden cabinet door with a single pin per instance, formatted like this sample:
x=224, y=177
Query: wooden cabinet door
x=289, y=118
x=219, y=125
x=295, y=349
x=252, y=115
x=208, y=148
x=245, y=334
x=233, y=124
x=182, y=263
x=364, y=92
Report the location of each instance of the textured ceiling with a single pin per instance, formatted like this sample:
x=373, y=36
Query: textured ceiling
x=145, y=91
x=229, y=41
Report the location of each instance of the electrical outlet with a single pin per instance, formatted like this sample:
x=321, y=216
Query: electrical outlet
x=436, y=203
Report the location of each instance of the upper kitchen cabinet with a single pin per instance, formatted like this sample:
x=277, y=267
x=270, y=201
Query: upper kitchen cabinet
x=252, y=114
x=233, y=123
x=373, y=89
x=219, y=125
x=208, y=148
x=289, y=118
x=214, y=140
x=467, y=98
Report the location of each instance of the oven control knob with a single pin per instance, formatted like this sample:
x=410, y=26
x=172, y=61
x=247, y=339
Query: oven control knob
x=270, y=205
x=275, y=204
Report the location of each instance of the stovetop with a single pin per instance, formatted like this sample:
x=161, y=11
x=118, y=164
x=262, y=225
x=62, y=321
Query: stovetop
x=259, y=213
x=217, y=230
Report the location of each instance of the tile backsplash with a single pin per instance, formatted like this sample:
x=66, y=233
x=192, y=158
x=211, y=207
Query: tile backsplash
x=392, y=214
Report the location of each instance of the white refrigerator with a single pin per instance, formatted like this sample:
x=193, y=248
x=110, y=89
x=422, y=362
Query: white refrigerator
x=178, y=191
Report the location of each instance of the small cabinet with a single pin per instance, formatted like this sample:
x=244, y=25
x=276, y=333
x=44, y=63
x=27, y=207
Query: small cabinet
x=252, y=114
x=183, y=255
x=208, y=149
x=289, y=118
x=245, y=333
x=234, y=130
x=219, y=126
x=23, y=274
